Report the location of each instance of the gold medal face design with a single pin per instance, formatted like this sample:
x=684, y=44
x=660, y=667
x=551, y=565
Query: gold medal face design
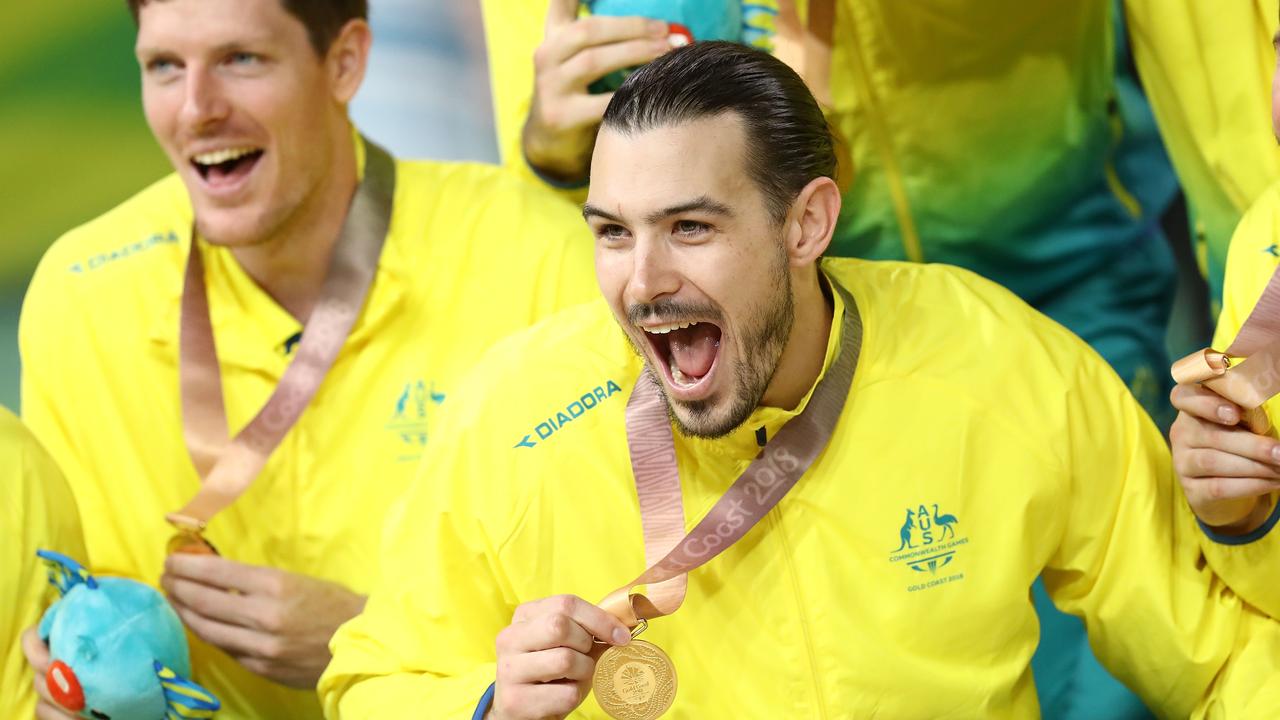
x=635, y=681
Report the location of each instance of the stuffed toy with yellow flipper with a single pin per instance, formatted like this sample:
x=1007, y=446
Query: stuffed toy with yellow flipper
x=117, y=650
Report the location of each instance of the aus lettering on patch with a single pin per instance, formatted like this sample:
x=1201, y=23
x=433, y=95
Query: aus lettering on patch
x=572, y=411
x=928, y=541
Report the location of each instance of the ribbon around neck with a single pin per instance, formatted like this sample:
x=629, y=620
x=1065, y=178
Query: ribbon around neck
x=670, y=553
x=228, y=466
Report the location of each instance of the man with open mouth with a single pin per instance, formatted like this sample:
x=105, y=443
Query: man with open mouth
x=791, y=487
x=238, y=368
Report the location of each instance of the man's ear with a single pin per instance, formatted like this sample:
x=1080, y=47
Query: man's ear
x=812, y=221
x=347, y=59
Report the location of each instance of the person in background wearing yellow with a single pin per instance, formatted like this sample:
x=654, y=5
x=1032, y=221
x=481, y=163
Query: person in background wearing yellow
x=1206, y=69
x=977, y=446
x=248, y=98
x=1231, y=476
x=1004, y=137
x=38, y=513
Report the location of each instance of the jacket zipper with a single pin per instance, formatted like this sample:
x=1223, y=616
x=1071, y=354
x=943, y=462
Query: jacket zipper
x=805, y=632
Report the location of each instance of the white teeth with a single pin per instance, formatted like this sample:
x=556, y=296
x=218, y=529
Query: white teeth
x=221, y=156
x=664, y=329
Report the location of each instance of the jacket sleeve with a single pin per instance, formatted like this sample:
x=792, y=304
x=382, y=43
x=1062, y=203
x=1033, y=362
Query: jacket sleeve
x=47, y=346
x=1242, y=561
x=425, y=641
x=513, y=30
x=1130, y=564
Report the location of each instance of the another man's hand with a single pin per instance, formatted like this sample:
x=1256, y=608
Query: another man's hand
x=560, y=130
x=546, y=657
x=38, y=658
x=275, y=623
x=1226, y=471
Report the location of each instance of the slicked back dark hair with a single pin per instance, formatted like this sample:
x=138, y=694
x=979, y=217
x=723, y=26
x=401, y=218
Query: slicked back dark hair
x=788, y=140
x=323, y=19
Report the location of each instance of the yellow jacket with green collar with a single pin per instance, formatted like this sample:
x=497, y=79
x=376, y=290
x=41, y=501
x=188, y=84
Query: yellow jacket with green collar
x=38, y=513
x=470, y=257
x=981, y=445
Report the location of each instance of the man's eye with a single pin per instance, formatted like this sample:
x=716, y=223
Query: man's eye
x=160, y=66
x=612, y=232
x=243, y=58
x=691, y=227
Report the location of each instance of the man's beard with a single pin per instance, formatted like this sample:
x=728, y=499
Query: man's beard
x=759, y=348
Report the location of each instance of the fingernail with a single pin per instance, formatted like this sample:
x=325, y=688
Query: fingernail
x=657, y=28
x=1275, y=453
x=1226, y=413
x=621, y=637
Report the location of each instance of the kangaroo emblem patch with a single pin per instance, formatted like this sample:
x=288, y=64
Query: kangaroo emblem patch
x=928, y=541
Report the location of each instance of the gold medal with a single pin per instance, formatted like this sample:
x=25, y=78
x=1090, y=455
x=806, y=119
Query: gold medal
x=635, y=681
x=189, y=539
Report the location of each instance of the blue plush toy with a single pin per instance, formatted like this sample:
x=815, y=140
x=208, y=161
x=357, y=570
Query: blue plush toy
x=118, y=650
x=751, y=22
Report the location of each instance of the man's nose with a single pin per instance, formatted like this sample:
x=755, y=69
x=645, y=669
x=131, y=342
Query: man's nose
x=653, y=273
x=204, y=103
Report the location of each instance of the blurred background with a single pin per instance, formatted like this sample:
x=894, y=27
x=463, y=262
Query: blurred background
x=74, y=143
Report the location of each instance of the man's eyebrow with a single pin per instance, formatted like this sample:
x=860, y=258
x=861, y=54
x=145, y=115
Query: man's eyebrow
x=704, y=204
x=589, y=211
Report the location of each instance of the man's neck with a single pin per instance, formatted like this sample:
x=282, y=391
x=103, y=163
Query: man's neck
x=806, y=351
x=292, y=265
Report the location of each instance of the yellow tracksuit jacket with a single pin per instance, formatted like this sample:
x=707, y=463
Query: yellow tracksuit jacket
x=1206, y=68
x=38, y=513
x=471, y=256
x=974, y=427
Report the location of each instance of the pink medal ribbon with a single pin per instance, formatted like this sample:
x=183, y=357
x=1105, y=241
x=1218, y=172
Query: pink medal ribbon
x=670, y=553
x=227, y=466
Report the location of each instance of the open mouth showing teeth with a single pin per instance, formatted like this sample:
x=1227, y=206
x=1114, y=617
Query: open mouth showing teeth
x=222, y=166
x=688, y=350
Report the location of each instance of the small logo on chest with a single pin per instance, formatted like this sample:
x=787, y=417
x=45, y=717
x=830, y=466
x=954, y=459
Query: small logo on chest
x=409, y=417
x=928, y=542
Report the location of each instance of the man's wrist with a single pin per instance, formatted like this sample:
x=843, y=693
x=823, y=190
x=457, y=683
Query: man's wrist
x=1262, y=510
x=551, y=167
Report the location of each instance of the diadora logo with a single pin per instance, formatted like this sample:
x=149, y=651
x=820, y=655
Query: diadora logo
x=121, y=253
x=927, y=543
x=574, y=410
x=1273, y=250
x=409, y=419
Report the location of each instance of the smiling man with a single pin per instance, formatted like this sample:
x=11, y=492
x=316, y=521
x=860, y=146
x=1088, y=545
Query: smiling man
x=872, y=463
x=281, y=319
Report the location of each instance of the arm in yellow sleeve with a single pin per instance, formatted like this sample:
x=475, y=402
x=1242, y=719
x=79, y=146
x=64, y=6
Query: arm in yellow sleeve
x=46, y=348
x=513, y=30
x=1242, y=561
x=425, y=641
x=1129, y=563
x=38, y=513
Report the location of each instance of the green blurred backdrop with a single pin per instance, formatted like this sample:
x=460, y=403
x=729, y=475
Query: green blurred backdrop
x=73, y=138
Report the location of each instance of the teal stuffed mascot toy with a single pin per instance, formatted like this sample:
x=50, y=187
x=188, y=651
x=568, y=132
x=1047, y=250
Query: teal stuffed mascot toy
x=117, y=650
x=750, y=22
